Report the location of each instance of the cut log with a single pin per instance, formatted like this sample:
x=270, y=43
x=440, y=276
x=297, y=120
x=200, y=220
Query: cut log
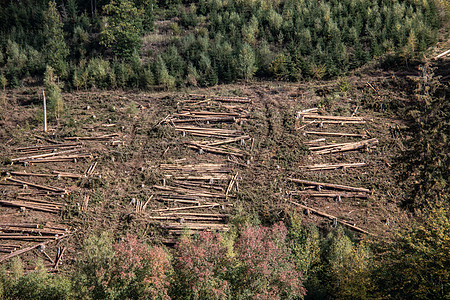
x=40, y=207
x=336, y=134
x=232, y=99
x=211, y=119
x=442, y=54
x=24, y=237
x=92, y=138
x=27, y=158
x=40, y=201
x=322, y=214
x=324, y=167
x=313, y=194
x=222, y=142
x=69, y=175
x=331, y=186
x=38, y=186
x=343, y=147
x=190, y=218
x=42, y=147
x=335, y=118
x=214, y=150
x=186, y=208
x=21, y=251
x=196, y=214
x=195, y=226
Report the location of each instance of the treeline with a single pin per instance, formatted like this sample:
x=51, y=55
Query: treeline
x=250, y=262
x=99, y=43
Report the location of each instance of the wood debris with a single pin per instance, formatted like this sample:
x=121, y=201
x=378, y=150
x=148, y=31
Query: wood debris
x=220, y=98
x=93, y=138
x=332, y=186
x=41, y=236
x=85, y=204
x=322, y=214
x=141, y=206
x=91, y=169
x=344, y=147
x=336, y=134
x=324, y=167
x=37, y=186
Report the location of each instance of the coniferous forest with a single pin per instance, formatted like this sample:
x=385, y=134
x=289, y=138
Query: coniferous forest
x=109, y=44
x=129, y=85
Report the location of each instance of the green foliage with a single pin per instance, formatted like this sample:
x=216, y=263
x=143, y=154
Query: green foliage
x=334, y=267
x=53, y=94
x=305, y=246
x=98, y=70
x=122, y=28
x=55, y=49
x=37, y=284
x=225, y=41
x=415, y=265
x=98, y=255
x=162, y=74
x=426, y=160
x=246, y=62
x=342, y=255
x=3, y=81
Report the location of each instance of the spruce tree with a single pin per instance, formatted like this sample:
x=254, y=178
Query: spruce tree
x=55, y=49
x=246, y=62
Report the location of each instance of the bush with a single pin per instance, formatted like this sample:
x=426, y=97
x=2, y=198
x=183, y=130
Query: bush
x=257, y=264
x=202, y=268
x=37, y=284
x=266, y=270
x=129, y=269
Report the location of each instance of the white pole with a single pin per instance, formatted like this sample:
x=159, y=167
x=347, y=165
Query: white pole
x=45, y=112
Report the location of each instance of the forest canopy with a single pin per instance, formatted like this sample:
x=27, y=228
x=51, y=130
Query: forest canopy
x=111, y=44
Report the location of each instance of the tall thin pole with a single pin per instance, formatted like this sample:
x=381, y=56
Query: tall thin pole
x=45, y=112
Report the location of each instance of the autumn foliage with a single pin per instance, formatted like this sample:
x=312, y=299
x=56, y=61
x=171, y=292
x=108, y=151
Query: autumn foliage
x=255, y=265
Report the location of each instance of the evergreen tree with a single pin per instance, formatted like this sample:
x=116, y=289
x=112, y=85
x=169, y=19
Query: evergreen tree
x=415, y=265
x=246, y=62
x=55, y=49
x=123, y=28
x=162, y=74
x=53, y=93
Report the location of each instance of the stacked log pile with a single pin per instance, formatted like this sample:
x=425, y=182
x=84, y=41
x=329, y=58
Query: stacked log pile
x=214, y=140
x=27, y=192
x=322, y=190
x=194, y=197
x=51, y=153
x=311, y=117
x=328, y=190
x=20, y=238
